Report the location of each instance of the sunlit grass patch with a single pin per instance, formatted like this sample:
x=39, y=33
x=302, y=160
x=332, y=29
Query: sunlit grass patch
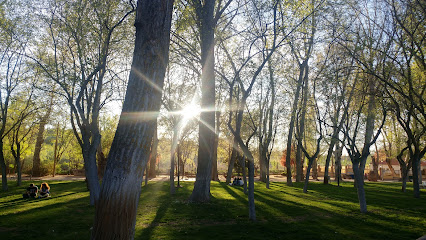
x=283, y=212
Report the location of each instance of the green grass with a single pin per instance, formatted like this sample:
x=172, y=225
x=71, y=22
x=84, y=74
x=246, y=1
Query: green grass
x=326, y=212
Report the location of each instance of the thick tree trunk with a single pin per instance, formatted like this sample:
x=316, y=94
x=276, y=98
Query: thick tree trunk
x=91, y=172
x=338, y=164
x=262, y=163
x=115, y=215
x=415, y=170
x=153, y=154
x=315, y=170
x=359, y=176
x=38, y=145
x=201, y=191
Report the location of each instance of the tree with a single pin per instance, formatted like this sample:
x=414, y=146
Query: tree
x=206, y=22
x=13, y=44
x=80, y=40
x=115, y=215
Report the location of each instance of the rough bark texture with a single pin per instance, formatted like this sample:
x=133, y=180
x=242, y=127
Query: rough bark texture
x=38, y=144
x=201, y=191
x=299, y=155
x=338, y=163
x=115, y=215
x=292, y=122
x=231, y=162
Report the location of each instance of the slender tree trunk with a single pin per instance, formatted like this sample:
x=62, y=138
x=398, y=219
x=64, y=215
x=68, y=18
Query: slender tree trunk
x=291, y=125
x=252, y=210
x=308, y=172
x=267, y=174
x=243, y=167
x=231, y=162
x=115, y=214
x=215, y=175
x=172, y=159
x=55, y=153
x=17, y=156
x=102, y=160
x=327, y=160
x=153, y=155
x=3, y=168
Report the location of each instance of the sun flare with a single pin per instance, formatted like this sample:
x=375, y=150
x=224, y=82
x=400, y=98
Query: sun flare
x=190, y=111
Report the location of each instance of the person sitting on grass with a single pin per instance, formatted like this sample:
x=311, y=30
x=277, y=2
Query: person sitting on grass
x=31, y=191
x=44, y=190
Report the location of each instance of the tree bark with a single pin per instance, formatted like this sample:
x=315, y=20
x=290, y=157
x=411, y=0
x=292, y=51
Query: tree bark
x=201, y=191
x=299, y=155
x=153, y=154
x=231, y=161
x=215, y=175
x=115, y=214
x=38, y=144
x=3, y=168
x=291, y=125
x=359, y=183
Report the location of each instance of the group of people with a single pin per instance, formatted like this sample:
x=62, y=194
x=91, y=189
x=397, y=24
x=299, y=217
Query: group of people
x=34, y=192
x=238, y=182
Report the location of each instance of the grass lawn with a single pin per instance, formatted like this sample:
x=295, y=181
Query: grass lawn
x=326, y=212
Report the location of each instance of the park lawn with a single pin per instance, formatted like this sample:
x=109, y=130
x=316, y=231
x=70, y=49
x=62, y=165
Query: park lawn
x=326, y=212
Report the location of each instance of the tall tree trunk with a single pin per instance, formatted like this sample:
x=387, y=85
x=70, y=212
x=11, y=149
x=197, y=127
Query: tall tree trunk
x=102, y=160
x=243, y=167
x=55, y=153
x=292, y=122
x=327, y=159
x=206, y=136
x=359, y=183
x=3, y=168
x=308, y=172
x=299, y=154
x=252, y=210
x=231, y=161
x=338, y=163
x=38, y=144
x=17, y=156
x=172, y=158
x=115, y=214
x=153, y=154
x=315, y=170
x=215, y=175
x=416, y=172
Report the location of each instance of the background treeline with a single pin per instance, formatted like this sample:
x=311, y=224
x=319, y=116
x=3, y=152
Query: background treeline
x=317, y=77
